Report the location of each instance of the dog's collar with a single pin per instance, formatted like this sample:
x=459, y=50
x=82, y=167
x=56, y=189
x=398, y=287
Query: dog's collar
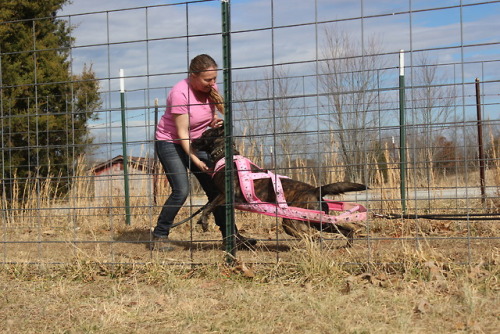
x=217, y=154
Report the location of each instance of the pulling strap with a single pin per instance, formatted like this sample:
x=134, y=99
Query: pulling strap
x=352, y=211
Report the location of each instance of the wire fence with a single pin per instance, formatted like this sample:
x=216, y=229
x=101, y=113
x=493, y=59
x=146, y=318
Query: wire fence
x=316, y=97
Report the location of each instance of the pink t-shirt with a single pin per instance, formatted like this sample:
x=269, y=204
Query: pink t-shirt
x=181, y=100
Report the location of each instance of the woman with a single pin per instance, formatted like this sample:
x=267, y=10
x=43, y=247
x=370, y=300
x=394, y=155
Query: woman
x=191, y=106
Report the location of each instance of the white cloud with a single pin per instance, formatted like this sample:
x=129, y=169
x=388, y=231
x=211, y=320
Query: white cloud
x=167, y=27
x=164, y=56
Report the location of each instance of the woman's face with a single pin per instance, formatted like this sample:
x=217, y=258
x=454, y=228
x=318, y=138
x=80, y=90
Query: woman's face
x=203, y=81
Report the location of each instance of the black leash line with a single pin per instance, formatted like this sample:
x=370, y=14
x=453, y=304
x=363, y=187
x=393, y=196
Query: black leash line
x=190, y=217
x=471, y=216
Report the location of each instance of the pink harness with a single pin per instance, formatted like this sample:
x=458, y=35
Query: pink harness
x=353, y=212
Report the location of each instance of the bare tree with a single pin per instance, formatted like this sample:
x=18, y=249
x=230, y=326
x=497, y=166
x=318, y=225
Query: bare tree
x=249, y=118
x=269, y=115
x=350, y=75
x=432, y=99
x=284, y=116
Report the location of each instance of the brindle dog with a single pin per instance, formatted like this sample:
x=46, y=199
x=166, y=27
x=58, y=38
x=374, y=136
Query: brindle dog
x=297, y=194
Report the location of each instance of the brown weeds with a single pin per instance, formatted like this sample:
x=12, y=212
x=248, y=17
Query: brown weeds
x=72, y=265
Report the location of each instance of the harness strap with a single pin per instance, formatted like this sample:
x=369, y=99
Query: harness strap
x=254, y=204
x=295, y=213
x=246, y=177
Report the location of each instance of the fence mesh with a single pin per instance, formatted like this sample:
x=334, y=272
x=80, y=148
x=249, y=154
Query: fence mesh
x=316, y=87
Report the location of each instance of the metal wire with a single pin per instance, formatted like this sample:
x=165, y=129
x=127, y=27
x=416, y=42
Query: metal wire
x=264, y=102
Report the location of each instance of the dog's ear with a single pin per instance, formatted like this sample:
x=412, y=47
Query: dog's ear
x=207, y=138
x=218, y=132
x=200, y=143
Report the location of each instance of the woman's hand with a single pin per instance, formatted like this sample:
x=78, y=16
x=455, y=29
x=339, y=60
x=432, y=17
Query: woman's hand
x=216, y=122
x=201, y=165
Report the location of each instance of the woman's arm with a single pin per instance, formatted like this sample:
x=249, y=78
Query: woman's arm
x=182, y=124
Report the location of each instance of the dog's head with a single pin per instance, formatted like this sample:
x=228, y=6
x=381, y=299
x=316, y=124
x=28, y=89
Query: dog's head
x=211, y=141
x=208, y=139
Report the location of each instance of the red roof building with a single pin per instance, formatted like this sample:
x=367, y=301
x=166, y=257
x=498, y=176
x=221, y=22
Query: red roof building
x=109, y=180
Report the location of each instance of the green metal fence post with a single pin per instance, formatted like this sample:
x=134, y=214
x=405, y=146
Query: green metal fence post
x=124, y=146
x=482, y=165
x=228, y=129
x=402, y=131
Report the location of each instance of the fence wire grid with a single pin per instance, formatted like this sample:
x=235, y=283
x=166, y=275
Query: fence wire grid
x=316, y=96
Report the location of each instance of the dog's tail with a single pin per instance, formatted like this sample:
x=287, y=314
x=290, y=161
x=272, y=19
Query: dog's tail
x=339, y=188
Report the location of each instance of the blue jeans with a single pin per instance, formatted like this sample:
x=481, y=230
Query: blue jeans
x=176, y=163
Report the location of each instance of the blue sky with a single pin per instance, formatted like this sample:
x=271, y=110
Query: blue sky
x=430, y=29
x=148, y=44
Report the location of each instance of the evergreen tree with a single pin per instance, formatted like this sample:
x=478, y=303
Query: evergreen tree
x=44, y=108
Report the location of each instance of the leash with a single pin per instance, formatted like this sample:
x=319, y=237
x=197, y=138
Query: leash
x=190, y=217
x=470, y=216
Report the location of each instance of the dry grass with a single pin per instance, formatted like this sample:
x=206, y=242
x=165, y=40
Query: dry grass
x=402, y=277
x=317, y=292
x=75, y=267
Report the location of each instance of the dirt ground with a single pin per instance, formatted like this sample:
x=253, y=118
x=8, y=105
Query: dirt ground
x=381, y=239
x=400, y=276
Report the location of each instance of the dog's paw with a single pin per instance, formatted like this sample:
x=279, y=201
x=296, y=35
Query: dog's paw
x=204, y=224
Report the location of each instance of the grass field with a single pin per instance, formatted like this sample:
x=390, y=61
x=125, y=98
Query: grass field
x=391, y=282
x=82, y=270
x=314, y=294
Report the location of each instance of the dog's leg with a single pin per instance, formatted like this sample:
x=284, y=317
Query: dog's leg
x=203, y=220
x=348, y=229
x=299, y=229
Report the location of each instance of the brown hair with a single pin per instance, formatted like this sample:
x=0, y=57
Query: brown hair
x=201, y=63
